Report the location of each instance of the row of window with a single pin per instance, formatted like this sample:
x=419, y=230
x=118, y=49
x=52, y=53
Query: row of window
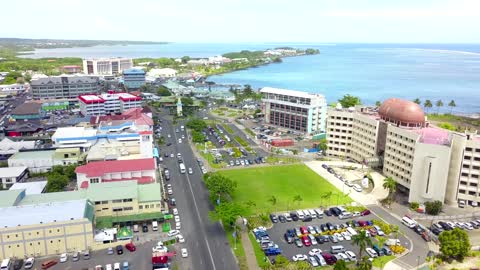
x=471, y=175
x=469, y=149
x=472, y=184
x=470, y=192
x=403, y=138
x=390, y=172
x=470, y=158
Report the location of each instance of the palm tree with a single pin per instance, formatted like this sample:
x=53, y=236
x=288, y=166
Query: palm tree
x=439, y=104
x=297, y=198
x=364, y=264
x=378, y=103
x=452, y=104
x=273, y=200
x=418, y=101
x=362, y=241
x=427, y=104
x=391, y=185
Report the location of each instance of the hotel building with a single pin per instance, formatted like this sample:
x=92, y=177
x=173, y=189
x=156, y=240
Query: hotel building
x=106, y=66
x=294, y=110
x=109, y=103
x=428, y=162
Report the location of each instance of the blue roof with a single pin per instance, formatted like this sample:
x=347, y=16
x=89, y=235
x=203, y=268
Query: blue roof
x=134, y=71
x=155, y=152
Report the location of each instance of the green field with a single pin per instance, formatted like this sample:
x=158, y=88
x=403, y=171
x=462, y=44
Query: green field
x=283, y=182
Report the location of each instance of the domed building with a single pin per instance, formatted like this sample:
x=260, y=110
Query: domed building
x=402, y=113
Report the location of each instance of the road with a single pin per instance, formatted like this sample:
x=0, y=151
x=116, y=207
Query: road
x=206, y=241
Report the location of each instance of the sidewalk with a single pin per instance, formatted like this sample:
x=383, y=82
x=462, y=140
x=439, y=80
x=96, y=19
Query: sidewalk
x=249, y=253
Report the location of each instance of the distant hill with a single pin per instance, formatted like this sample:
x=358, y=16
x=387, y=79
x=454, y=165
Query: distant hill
x=26, y=44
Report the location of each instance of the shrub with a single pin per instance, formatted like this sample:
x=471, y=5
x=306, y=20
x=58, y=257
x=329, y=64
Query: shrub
x=433, y=208
x=414, y=206
x=397, y=249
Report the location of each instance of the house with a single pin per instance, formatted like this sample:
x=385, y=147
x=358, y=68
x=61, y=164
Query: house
x=12, y=175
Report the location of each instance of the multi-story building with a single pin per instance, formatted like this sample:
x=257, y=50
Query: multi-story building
x=428, y=162
x=59, y=87
x=133, y=78
x=12, y=175
x=109, y=103
x=43, y=160
x=106, y=66
x=295, y=110
x=71, y=69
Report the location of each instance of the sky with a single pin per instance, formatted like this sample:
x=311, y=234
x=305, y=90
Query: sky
x=329, y=21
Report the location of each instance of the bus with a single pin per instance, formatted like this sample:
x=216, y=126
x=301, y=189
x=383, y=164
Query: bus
x=182, y=167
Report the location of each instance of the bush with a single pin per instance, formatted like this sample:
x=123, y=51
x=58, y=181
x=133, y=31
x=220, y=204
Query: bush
x=414, y=206
x=433, y=208
x=397, y=249
x=386, y=228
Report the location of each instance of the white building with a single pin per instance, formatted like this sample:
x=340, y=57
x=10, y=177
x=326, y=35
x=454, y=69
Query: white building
x=12, y=175
x=295, y=110
x=162, y=73
x=9, y=147
x=110, y=103
x=106, y=66
x=13, y=88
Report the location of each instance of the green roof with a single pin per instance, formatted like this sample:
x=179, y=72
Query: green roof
x=106, y=222
x=149, y=192
x=52, y=197
x=10, y=197
x=33, y=155
x=108, y=191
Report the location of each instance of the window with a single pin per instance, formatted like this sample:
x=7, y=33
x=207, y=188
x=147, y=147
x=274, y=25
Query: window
x=128, y=208
x=127, y=200
x=140, y=207
x=117, y=201
x=146, y=206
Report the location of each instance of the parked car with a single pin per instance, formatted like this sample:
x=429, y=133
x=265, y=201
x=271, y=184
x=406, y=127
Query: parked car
x=17, y=265
x=313, y=261
x=298, y=243
x=119, y=249
x=365, y=212
x=273, y=218
x=371, y=252
x=288, y=238
x=282, y=218
x=306, y=241
x=29, y=263
x=131, y=247
x=299, y=257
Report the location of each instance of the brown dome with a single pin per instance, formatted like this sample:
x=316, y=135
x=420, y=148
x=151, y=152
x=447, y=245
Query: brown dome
x=402, y=112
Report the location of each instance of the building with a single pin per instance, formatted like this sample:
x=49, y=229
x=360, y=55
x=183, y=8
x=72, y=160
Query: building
x=429, y=163
x=106, y=66
x=9, y=147
x=295, y=110
x=27, y=111
x=141, y=117
x=12, y=175
x=34, y=187
x=71, y=69
x=140, y=170
x=48, y=228
x=57, y=87
x=162, y=73
x=13, y=89
x=133, y=78
x=43, y=160
x=109, y=103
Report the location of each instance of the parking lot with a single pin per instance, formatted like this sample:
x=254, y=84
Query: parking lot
x=277, y=232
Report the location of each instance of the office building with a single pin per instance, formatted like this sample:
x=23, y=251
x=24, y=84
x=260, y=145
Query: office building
x=429, y=163
x=133, y=78
x=294, y=110
x=59, y=87
x=106, y=66
x=109, y=103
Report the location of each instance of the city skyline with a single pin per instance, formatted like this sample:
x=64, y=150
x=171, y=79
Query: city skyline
x=369, y=21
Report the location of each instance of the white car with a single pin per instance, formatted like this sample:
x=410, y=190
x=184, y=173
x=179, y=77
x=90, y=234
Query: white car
x=313, y=261
x=180, y=238
x=356, y=214
x=190, y=171
x=178, y=225
x=357, y=188
x=177, y=219
x=161, y=159
x=179, y=140
x=346, y=236
x=170, y=191
x=29, y=263
x=160, y=248
x=299, y=257
x=204, y=171
x=343, y=256
x=63, y=257
x=184, y=253
x=288, y=217
x=339, y=236
x=108, y=267
x=116, y=266
x=351, y=256
x=175, y=211
x=169, y=136
x=371, y=252
x=315, y=251
x=171, y=155
x=173, y=232
x=183, y=136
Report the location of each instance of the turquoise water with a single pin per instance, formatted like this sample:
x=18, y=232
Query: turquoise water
x=371, y=71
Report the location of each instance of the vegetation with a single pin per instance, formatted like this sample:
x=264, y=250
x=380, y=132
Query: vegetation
x=448, y=126
x=418, y=101
x=220, y=187
x=414, y=206
x=198, y=137
x=362, y=241
x=460, y=123
x=246, y=93
x=452, y=105
x=241, y=141
x=340, y=265
x=258, y=184
x=323, y=145
x=427, y=104
x=364, y=264
x=391, y=185
x=250, y=55
x=196, y=124
x=249, y=131
x=381, y=261
x=259, y=255
x=454, y=244
x=439, y=104
x=433, y=208
x=312, y=51
x=59, y=177
x=163, y=91
x=348, y=101
x=228, y=129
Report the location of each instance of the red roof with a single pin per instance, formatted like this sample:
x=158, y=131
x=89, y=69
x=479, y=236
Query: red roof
x=146, y=132
x=403, y=111
x=99, y=168
x=98, y=99
x=131, y=114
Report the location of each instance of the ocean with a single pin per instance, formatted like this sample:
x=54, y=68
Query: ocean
x=374, y=72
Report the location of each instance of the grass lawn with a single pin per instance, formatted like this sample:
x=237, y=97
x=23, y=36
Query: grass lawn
x=239, y=251
x=283, y=182
x=381, y=261
x=259, y=255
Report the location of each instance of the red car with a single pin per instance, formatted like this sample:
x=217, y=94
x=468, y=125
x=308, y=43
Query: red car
x=304, y=230
x=362, y=223
x=365, y=212
x=131, y=247
x=306, y=241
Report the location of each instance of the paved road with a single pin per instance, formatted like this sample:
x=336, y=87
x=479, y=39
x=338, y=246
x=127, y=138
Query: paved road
x=206, y=242
x=419, y=250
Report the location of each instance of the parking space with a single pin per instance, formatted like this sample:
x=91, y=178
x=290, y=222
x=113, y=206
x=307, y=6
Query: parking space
x=297, y=238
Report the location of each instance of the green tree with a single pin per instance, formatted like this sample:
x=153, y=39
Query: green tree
x=378, y=103
x=340, y=265
x=203, y=104
x=302, y=265
x=427, y=104
x=418, y=101
x=452, y=105
x=364, y=264
x=227, y=212
x=297, y=198
x=56, y=182
x=198, y=137
x=69, y=171
x=323, y=145
x=163, y=91
x=196, y=124
x=219, y=186
x=281, y=261
x=348, y=101
x=187, y=101
x=439, y=104
x=390, y=185
x=185, y=59
x=362, y=241
x=454, y=244
x=433, y=208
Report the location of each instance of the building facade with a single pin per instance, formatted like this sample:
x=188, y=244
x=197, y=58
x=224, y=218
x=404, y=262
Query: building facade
x=428, y=162
x=106, y=66
x=12, y=175
x=59, y=87
x=295, y=110
x=133, y=78
x=109, y=103
x=43, y=160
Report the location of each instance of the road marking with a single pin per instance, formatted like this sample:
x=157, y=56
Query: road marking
x=197, y=211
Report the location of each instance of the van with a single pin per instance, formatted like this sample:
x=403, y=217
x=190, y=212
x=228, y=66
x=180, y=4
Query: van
x=6, y=263
x=319, y=213
x=48, y=264
x=351, y=231
x=312, y=213
x=300, y=214
x=408, y=222
x=182, y=168
x=337, y=249
x=154, y=226
x=345, y=215
x=341, y=209
x=135, y=228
